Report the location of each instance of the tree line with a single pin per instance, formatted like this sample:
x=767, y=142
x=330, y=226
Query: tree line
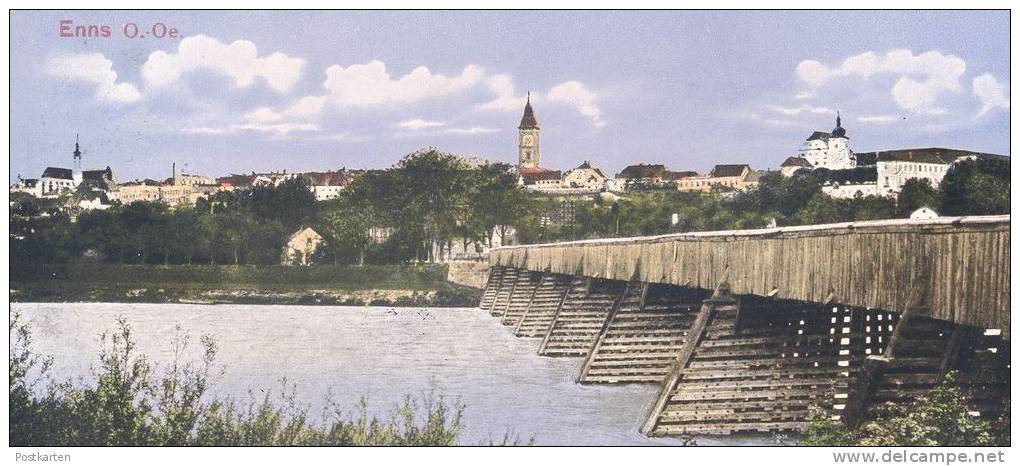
x=972, y=187
x=411, y=212
x=432, y=203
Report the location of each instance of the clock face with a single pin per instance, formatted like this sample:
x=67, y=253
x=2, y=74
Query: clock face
x=527, y=139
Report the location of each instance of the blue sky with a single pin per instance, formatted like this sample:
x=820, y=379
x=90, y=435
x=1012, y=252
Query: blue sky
x=241, y=91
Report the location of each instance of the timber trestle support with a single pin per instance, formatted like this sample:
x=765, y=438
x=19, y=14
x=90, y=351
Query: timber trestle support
x=729, y=363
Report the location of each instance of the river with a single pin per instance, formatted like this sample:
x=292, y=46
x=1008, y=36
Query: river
x=374, y=352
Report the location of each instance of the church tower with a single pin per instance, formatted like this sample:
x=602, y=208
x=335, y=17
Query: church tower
x=528, y=155
x=76, y=172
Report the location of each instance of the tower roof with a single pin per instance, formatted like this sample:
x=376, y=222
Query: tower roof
x=528, y=121
x=838, y=131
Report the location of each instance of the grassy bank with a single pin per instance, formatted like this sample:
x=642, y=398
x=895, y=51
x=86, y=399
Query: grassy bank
x=418, y=285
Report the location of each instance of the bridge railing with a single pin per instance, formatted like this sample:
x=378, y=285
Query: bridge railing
x=949, y=268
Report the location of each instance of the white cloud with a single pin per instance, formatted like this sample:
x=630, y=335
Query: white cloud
x=341, y=137
x=793, y=111
x=992, y=93
x=471, y=131
x=239, y=61
x=419, y=124
x=365, y=85
x=922, y=79
x=96, y=69
x=804, y=95
x=877, y=119
x=503, y=87
x=575, y=94
x=306, y=108
x=278, y=129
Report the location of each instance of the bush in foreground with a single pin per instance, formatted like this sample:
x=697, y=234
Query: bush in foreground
x=131, y=404
x=940, y=418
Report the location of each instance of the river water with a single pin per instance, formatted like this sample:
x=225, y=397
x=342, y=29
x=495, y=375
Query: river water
x=379, y=353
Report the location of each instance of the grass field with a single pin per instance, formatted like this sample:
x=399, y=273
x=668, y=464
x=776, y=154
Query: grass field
x=373, y=284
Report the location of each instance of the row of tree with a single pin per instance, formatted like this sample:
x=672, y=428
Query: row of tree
x=421, y=205
x=419, y=208
x=973, y=187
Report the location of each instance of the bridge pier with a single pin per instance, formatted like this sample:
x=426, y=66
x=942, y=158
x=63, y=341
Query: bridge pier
x=745, y=363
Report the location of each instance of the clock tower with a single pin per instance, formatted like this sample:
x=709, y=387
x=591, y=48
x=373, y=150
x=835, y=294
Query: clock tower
x=528, y=155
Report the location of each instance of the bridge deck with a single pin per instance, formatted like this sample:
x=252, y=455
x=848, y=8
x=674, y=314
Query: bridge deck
x=960, y=264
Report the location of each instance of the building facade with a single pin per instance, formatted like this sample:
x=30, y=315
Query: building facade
x=829, y=150
x=585, y=176
x=300, y=247
x=736, y=177
x=792, y=164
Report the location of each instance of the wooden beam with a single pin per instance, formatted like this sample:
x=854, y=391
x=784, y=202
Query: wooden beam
x=527, y=307
x=510, y=296
x=549, y=331
x=861, y=389
x=590, y=358
x=953, y=347
x=683, y=358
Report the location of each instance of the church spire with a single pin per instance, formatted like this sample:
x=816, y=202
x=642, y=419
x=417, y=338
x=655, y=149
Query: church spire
x=77, y=153
x=839, y=132
x=528, y=121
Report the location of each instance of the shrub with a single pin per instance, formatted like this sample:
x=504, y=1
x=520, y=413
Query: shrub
x=130, y=404
x=940, y=418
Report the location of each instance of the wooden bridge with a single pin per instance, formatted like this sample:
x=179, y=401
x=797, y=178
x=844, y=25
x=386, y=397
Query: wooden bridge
x=748, y=330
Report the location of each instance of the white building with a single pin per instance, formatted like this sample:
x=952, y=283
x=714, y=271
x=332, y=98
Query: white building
x=851, y=190
x=585, y=176
x=828, y=150
x=185, y=179
x=30, y=186
x=300, y=247
x=56, y=181
x=895, y=167
x=924, y=213
x=792, y=164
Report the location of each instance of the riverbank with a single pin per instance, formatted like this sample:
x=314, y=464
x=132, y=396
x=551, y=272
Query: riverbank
x=417, y=285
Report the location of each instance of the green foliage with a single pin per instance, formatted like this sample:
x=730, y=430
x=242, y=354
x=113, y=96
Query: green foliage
x=430, y=199
x=940, y=418
x=796, y=200
x=976, y=187
x=916, y=193
x=128, y=404
x=426, y=201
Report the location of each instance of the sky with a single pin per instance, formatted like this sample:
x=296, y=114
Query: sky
x=237, y=92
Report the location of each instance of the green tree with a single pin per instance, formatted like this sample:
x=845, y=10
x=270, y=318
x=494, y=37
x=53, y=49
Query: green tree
x=916, y=193
x=976, y=187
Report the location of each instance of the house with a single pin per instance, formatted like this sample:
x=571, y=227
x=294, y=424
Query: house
x=232, y=182
x=30, y=186
x=792, y=164
x=540, y=178
x=738, y=177
x=924, y=213
x=185, y=179
x=56, y=181
x=300, y=247
x=585, y=176
x=895, y=167
x=641, y=173
x=326, y=185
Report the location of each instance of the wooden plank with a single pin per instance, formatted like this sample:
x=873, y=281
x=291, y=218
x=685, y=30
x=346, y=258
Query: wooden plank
x=680, y=364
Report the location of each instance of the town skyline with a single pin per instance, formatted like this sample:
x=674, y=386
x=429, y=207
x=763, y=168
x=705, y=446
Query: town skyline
x=262, y=104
